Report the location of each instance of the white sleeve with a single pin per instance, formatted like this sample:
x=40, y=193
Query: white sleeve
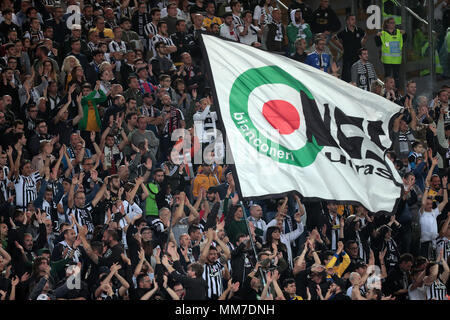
x=135, y=209
x=202, y=115
x=257, y=13
x=291, y=236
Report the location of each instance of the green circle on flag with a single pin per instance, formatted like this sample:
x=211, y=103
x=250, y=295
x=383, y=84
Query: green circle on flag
x=239, y=99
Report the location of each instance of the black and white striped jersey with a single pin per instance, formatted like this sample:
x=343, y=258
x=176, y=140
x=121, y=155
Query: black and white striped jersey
x=84, y=218
x=212, y=274
x=26, y=189
x=437, y=291
x=115, y=46
x=150, y=28
x=443, y=244
x=157, y=38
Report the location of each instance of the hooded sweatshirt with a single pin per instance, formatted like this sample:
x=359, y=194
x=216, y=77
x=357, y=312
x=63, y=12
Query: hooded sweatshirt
x=297, y=30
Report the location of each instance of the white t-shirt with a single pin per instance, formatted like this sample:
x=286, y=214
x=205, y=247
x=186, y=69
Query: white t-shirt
x=419, y=293
x=251, y=36
x=227, y=33
x=428, y=225
x=205, y=125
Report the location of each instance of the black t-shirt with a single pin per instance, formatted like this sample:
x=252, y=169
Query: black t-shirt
x=299, y=57
x=137, y=293
x=351, y=41
x=111, y=256
x=64, y=129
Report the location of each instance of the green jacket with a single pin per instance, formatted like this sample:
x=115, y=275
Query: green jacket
x=234, y=228
x=293, y=34
x=85, y=105
x=151, y=207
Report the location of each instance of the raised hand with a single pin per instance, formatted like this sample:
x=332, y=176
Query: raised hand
x=25, y=277
x=235, y=199
x=435, y=161
x=165, y=260
x=15, y=281
x=141, y=254
x=340, y=246
x=18, y=246
x=235, y=287
x=115, y=267
x=71, y=90
x=381, y=254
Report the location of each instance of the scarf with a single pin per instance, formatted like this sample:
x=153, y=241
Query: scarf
x=279, y=33
x=173, y=121
x=365, y=70
x=141, y=24
x=76, y=254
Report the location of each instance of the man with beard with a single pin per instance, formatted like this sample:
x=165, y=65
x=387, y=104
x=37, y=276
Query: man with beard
x=157, y=190
x=21, y=245
x=78, y=207
x=196, y=287
x=228, y=29
x=242, y=259
x=214, y=271
x=111, y=241
x=362, y=71
x=40, y=134
x=161, y=62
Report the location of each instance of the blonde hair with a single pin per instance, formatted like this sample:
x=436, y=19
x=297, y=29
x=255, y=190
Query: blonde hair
x=104, y=65
x=66, y=64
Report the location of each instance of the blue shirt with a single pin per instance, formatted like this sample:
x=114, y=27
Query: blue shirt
x=319, y=61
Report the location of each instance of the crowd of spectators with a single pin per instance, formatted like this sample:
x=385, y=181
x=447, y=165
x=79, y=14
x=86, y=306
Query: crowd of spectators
x=94, y=205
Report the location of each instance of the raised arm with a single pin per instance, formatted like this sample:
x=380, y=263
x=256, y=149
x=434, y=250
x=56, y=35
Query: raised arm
x=193, y=213
x=82, y=232
x=445, y=200
x=205, y=251
x=169, y=290
x=100, y=193
x=278, y=291
x=445, y=226
x=226, y=250
x=80, y=114
x=71, y=192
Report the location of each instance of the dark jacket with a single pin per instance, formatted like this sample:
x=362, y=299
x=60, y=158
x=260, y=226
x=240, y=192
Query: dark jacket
x=325, y=20
x=271, y=43
x=196, y=288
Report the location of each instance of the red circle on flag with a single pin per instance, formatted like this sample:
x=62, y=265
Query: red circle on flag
x=282, y=115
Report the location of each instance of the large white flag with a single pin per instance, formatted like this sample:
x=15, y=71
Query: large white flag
x=291, y=127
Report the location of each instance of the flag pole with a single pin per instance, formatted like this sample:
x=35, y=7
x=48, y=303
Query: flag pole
x=251, y=242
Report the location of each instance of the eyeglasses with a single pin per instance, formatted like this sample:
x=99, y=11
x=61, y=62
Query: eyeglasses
x=33, y=111
x=89, y=164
